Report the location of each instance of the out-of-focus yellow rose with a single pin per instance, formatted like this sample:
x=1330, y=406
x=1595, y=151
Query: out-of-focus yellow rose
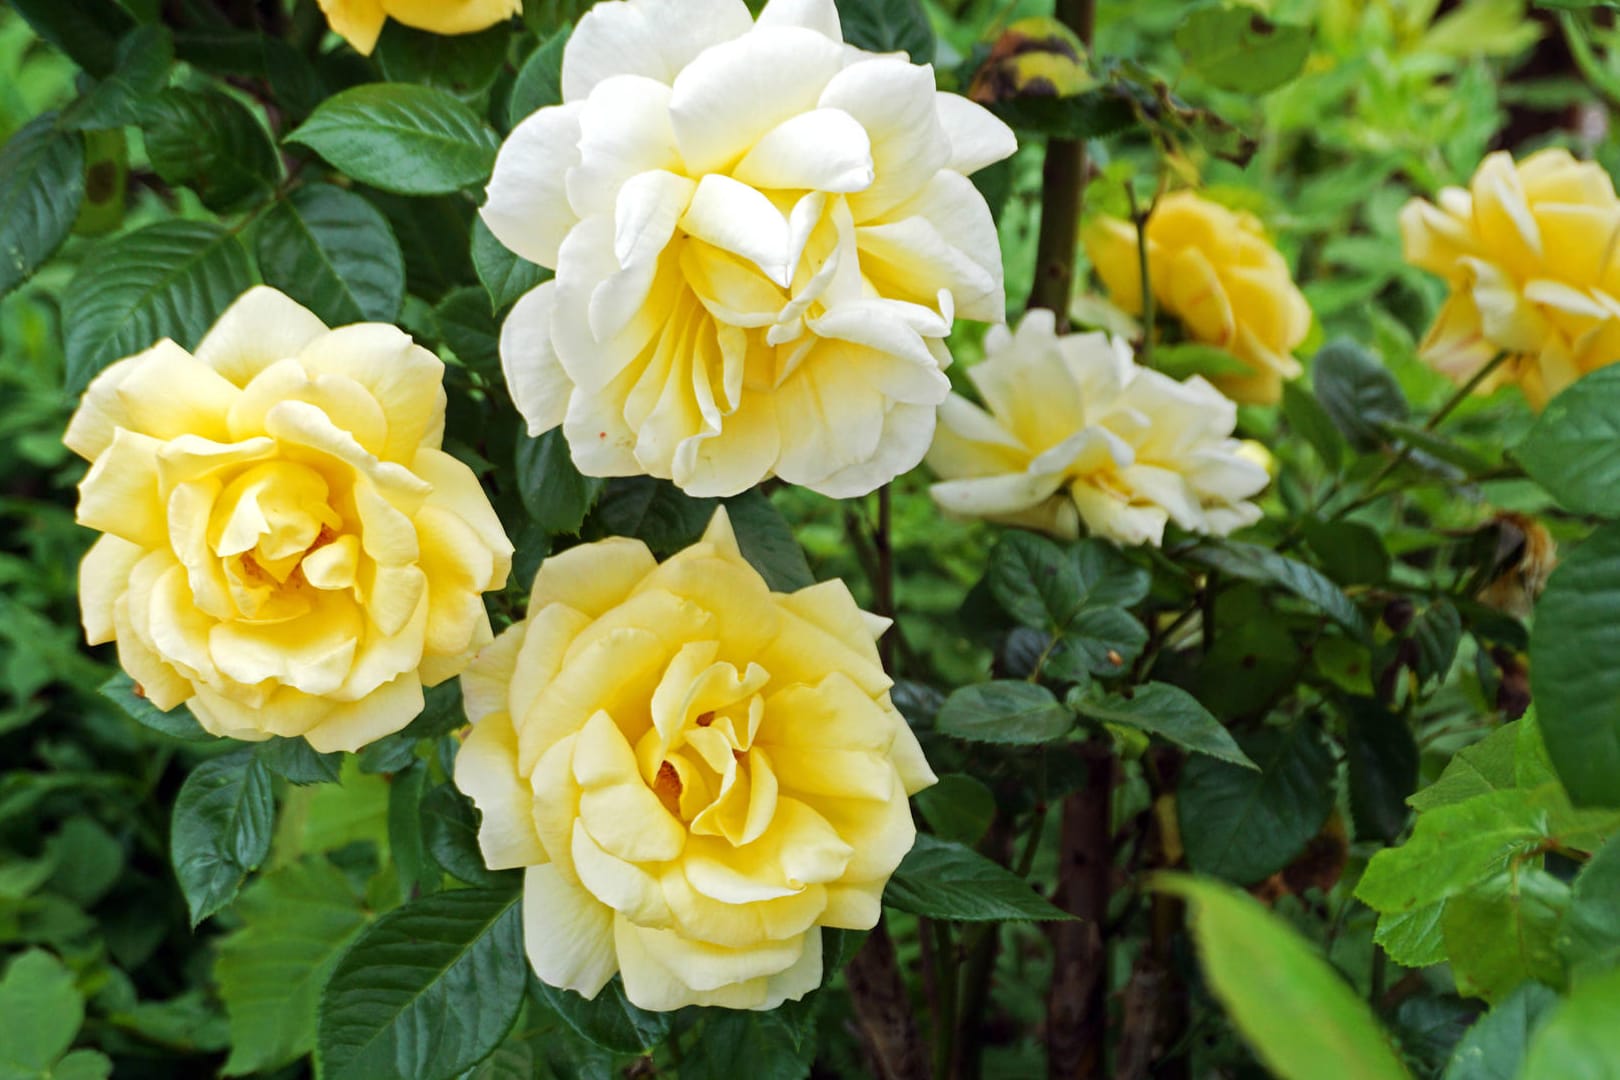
x=697, y=773
x=761, y=237
x=1215, y=271
x=359, y=22
x=1529, y=253
x=1077, y=432
x=286, y=547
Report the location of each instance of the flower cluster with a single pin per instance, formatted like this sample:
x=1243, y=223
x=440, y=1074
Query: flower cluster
x=1528, y=251
x=696, y=772
x=360, y=22
x=1077, y=432
x=761, y=237
x=1215, y=271
x=285, y=546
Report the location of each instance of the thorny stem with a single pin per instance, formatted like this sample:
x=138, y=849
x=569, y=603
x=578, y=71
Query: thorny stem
x=1063, y=177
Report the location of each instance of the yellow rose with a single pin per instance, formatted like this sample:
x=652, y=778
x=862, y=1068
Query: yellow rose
x=697, y=773
x=1077, y=432
x=1529, y=253
x=1215, y=271
x=359, y=22
x=286, y=547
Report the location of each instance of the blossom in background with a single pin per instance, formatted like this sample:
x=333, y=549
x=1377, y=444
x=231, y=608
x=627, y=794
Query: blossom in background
x=696, y=772
x=761, y=236
x=285, y=546
x=1077, y=432
x=1215, y=271
x=359, y=22
x=1528, y=251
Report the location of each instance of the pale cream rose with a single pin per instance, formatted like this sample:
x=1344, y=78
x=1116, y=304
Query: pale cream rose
x=286, y=548
x=360, y=22
x=697, y=773
x=1528, y=250
x=761, y=237
x=1078, y=433
x=1216, y=272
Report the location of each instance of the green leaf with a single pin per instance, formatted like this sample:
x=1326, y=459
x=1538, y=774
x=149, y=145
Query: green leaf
x=506, y=276
x=1357, y=392
x=942, y=880
x=1100, y=641
x=1251, y=562
x=1590, y=937
x=441, y=714
x=554, y=492
x=1502, y=932
x=884, y=26
x=1351, y=553
x=177, y=723
x=767, y=542
x=1298, y=1014
x=958, y=808
x=759, y=1045
x=427, y=991
x=1004, y=711
x=41, y=186
x=144, y=58
x=1573, y=449
x=463, y=64
x=43, y=1010
x=1576, y=688
x=655, y=512
x=213, y=144
x=86, y=30
x=1427, y=444
x=410, y=140
x=333, y=252
x=1045, y=586
x=1579, y=1040
x=1094, y=114
x=539, y=82
x=1168, y=712
x=466, y=323
x=1244, y=825
x=297, y=762
x=1437, y=632
x=1480, y=769
x=172, y=279
x=1237, y=48
x=222, y=823
x=296, y=922
x=607, y=1020
x=1382, y=755
x=1495, y=1046
x=450, y=832
x=1312, y=423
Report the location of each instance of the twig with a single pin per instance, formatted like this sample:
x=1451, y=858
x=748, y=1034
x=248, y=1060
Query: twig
x=1063, y=178
x=1076, y=1005
x=883, y=1011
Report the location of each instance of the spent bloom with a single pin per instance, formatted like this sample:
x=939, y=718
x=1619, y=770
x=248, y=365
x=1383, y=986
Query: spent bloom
x=697, y=773
x=761, y=236
x=285, y=547
x=1528, y=251
x=360, y=22
x=1217, y=273
x=1077, y=432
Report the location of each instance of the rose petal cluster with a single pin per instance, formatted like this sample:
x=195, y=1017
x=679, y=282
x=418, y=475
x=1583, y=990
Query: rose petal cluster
x=285, y=547
x=1077, y=433
x=1528, y=250
x=1213, y=269
x=697, y=773
x=761, y=237
x=360, y=22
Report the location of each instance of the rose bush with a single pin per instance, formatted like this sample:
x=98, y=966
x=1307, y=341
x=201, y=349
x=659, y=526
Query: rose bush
x=360, y=22
x=761, y=236
x=285, y=547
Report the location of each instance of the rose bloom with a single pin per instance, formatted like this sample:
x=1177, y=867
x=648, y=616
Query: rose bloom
x=285, y=546
x=697, y=773
x=1077, y=432
x=760, y=237
x=1215, y=271
x=1528, y=251
x=359, y=22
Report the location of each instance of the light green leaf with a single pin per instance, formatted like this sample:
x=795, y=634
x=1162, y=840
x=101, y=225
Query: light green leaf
x=1300, y=1016
x=1169, y=712
x=41, y=186
x=1590, y=937
x=410, y=140
x=222, y=824
x=942, y=880
x=1237, y=48
x=1004, y=711
x=42, y=1011
x=1479, y=769
x=1502, y=932
x=335, y=253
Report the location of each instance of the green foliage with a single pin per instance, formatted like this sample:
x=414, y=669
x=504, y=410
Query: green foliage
x=407, y=139
x=334, y=253
x=1236, y=48
x=1005, y=711
x=943, y=880
x=41, y=183
x=222, y=823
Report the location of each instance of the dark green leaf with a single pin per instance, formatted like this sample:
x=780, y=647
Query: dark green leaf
x=1426, y=443
x=942, y=880
x=407, y=845
x=1383, y=767
x=1495, y=1046
x=428, y=990
x=333, y=252
x=87, y=30
x=41, y=186
x=1357, y=392
x=607, y=1020
x=1100, y=641
x=297, y=762
x=883, y=26
x=221, y=830
x=1437, y=632
x=1351, y=553
x=450, y=831
x=1004, y=711
x=1095, y=114
x=758, y=1045
x=556, y=496
x=144, y=59
x=211, y=143
x=1237, y=48
x=1590, y=937
x=441, y=714
x=1251, y=562
x=655, y=512
x=1574, y=448
x=411, y=140
x=463, y=64
x=958, y=808
x=1578, y=1038
x=1244, y=825
x=467, y=324
x=172, y=279
x=1312, y=422
x=539, y=83
x=1576, y=687
x=767, y=542
x=1044, y=586
x=177, y=722
x=1168, y=712
x=506, y=276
